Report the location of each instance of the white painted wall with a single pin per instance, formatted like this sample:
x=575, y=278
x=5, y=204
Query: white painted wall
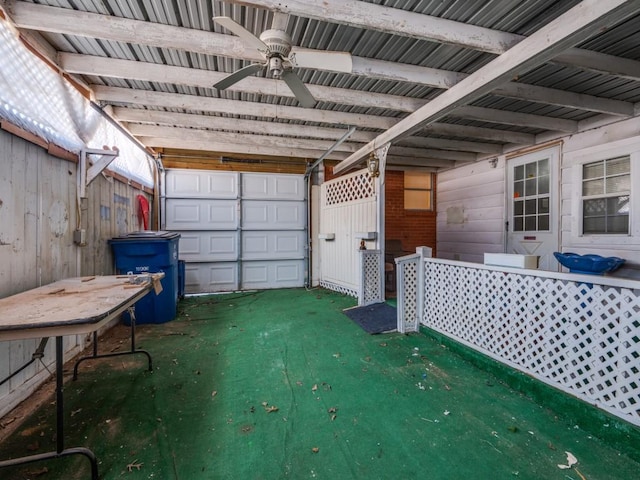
x=471, y=201
x=471, y=211
x=607, y=142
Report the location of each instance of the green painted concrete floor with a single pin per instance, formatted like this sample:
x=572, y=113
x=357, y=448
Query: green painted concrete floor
x=281, y=384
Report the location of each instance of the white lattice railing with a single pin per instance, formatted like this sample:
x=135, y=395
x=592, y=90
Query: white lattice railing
x=579, y=333
x=372, y=281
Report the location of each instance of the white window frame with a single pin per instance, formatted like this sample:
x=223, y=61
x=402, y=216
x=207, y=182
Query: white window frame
x=607, y=195
x=576, y=160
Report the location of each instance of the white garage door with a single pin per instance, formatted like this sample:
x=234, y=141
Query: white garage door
x=239, y=231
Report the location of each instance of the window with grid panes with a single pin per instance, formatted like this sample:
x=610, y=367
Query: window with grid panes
x=606, y=186
x=418, y=192
x=531, y=197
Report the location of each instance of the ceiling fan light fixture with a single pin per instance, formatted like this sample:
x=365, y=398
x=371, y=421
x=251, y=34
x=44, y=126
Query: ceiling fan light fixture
x=275, y=66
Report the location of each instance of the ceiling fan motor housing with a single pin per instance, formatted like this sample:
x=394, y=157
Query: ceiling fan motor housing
x=278, y=41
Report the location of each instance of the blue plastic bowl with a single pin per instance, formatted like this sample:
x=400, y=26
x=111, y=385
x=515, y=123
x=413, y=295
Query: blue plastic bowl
x=589, y=264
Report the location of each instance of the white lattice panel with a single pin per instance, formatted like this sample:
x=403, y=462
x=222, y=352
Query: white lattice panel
x=356, y=186
x=407, y=281
x=371, y=286
x=581, y=337
x=338, y=288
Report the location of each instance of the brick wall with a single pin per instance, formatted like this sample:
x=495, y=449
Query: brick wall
x=412, y=228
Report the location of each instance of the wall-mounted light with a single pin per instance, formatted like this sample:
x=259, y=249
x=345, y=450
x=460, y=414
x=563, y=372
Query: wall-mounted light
x=493, y=163
x=373, y=165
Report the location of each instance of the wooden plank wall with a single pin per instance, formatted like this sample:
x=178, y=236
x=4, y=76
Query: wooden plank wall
x=38, y=214
x=471, y=201
x=601, y=143
x=470, y=206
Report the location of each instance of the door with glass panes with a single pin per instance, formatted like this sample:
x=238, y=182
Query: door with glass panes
x=532, y=206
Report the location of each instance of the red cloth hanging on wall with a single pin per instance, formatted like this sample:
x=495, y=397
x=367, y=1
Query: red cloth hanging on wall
x=143, y=211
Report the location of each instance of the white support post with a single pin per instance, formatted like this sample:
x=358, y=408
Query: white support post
x=424, y=252
x=381, y=153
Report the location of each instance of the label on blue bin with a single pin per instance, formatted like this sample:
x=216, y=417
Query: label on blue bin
x=142, y=269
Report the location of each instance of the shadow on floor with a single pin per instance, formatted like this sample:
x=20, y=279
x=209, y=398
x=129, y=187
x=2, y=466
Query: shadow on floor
x=280, y=384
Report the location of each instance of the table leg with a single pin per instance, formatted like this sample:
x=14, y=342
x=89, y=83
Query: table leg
x=133, y=350
x=60, y=450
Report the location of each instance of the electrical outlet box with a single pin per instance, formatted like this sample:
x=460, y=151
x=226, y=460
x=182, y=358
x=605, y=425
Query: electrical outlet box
x=80, y=237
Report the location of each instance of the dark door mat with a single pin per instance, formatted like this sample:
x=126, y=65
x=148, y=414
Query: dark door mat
x=376, y=318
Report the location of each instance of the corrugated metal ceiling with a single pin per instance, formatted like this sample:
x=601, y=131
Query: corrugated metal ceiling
x=521, y=18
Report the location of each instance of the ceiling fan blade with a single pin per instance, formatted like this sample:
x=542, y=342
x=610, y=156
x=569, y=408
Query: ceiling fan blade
x=238, y=75
x=247, y=37
x=280, y=21
x=334, y=61
x=299, y=89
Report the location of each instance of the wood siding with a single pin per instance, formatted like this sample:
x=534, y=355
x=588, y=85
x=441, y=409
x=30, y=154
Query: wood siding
x=470, y=206
x=471, y=201
x=38, y=215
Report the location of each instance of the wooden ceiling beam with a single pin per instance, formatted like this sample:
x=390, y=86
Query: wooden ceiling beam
x=396, y=21
x=137, y=115
x=153, y=72
x=577, y=25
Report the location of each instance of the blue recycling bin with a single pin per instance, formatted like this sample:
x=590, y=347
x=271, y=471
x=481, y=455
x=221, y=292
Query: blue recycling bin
x=182, y=266
x=150, y=251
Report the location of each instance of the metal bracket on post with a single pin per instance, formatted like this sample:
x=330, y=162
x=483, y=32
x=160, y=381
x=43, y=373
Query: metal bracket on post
x=87, y=173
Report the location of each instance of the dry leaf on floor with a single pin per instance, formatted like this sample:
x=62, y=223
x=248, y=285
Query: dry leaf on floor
x=269, y=408
x=135, y=465
x=38, y=472
x=332, y=410
x=571, y=461
x=314, y=388
x=315, y=449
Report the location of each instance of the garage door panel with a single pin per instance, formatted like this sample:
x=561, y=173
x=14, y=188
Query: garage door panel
x=238, y=229
x=259, y=245
x=272, y=274
x=201, y=184
x=209, y=246
x=199, y=214
x=260, y=215
x=211, y=277
x=272, y=186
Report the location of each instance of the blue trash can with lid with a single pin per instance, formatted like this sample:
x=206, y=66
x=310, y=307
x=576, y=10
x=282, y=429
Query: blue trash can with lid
x=150, y=251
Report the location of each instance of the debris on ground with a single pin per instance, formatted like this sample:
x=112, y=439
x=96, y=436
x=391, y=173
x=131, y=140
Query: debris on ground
x=135, y=465
x=38, y=472
x=269, y=408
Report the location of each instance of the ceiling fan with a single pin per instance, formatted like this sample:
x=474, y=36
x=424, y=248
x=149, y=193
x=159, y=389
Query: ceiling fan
x=275, y=46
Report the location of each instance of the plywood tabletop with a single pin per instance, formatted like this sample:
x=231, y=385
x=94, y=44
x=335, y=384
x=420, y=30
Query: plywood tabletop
x=72, y=305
